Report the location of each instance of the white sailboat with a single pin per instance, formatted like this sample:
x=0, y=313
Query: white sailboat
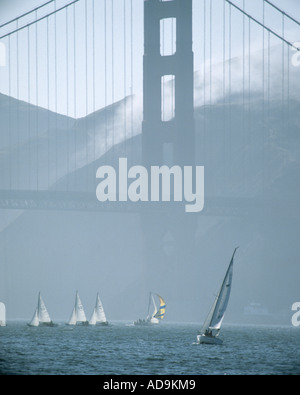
x=157, y=315
x=212, y=325
x=98, y=315
x=78, y=315
x=41, y=316
x=2, y=314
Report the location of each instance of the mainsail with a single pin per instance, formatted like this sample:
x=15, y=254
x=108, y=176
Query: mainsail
x=41, y=315
x=212, y=324
x=98, y=315
x=78, y=314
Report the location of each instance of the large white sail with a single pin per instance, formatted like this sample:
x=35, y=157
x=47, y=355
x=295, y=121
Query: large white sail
x=78, y=314
x=216, y=315
x=151, y=317
x=2, y=314
x=43, y=314
x=98, y=315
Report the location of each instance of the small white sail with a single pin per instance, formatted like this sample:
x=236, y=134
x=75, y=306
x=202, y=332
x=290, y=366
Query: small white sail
x=35, y=319
x=2, y=314
x=98, y=315
x=72, y=320
x=93, y=319
x=41, y=315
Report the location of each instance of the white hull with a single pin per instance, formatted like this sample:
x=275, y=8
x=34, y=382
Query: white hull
x=202, y=339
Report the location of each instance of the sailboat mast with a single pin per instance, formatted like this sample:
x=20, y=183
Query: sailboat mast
x=149, y=304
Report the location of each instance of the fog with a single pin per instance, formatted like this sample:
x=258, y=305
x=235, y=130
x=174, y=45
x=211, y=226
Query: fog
x=59, y=252
x=248, y=143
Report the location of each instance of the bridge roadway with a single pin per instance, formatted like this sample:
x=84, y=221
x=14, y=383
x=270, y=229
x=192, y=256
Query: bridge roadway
x=82, y=201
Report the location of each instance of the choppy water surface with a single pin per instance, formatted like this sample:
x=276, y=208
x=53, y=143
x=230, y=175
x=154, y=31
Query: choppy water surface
x=166, y=349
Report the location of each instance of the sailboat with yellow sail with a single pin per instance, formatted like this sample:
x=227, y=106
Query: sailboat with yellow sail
x=157, y=314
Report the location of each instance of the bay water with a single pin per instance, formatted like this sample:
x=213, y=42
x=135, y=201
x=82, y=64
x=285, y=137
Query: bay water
x=166, y=349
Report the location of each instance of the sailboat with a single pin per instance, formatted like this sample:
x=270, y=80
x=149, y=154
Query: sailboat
x=157, y=315
x=212, y=325
x=41, y=316
x=78, y=315
x=98, y=315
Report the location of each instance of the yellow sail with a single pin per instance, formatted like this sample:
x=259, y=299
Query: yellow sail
x=162, y=309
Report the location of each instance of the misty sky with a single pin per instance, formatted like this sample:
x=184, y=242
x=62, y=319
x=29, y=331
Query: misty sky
x=112, y=73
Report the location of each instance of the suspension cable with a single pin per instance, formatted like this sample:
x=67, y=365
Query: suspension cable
x=262, y=25
x=284, y=13
x=39, y=19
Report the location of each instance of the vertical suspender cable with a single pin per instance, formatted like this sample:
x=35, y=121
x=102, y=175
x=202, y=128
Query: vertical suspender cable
x=243, y=111
x=263, y=102
x=37, y=103
x=163, y=79
x=29, y=110
x=249, y=99
x=210, y=138
x=283, y=89
x=131, y=64
x=86, y=94
x=18, y=110
x=230, y=98
x=48, y=105
x=56, y=97
x=9, y=112
x=105, y=74
x=94, y=81
x=204, y=81
x=87, y=83
x=112, y=79
x=75, y=86
x=125, y=72
x=67, y=95
x=224, y=91
x=269, y=85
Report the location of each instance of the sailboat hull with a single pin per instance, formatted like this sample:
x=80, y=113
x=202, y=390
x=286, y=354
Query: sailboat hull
x=145, y=323
x=202, y=339
x=50, y=324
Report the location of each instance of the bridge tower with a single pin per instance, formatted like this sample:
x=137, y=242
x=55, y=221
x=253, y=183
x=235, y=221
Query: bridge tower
x=176, y=134
x=179, y=132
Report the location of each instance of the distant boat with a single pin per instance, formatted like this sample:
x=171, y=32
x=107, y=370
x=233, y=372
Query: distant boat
x=78, y=316
x=41, y=316
x=212, y=326
x=98, y=315
x=2, y=314
x=157, y=315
